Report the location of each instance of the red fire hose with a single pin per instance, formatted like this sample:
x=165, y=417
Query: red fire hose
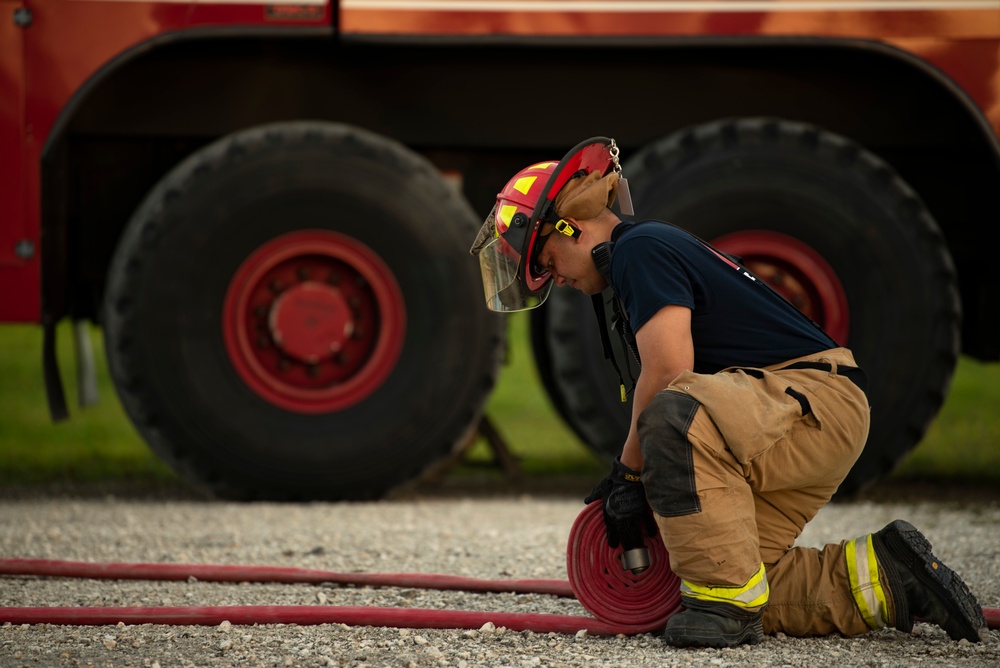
x=274, y=574
x=620, y=601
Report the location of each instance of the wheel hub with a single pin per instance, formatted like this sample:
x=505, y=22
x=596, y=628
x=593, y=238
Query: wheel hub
x=797, y=272
x=314, y=321
x=311, y=321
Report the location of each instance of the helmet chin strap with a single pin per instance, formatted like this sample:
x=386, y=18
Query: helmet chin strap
x=601, y=255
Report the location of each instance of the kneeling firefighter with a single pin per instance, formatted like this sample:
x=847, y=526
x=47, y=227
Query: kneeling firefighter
x=746, y=417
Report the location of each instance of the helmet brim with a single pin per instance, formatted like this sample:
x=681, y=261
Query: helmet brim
x=594, y=154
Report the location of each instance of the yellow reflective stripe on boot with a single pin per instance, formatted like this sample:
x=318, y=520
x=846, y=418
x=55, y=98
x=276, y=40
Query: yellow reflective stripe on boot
x=862, y=569
x=751, y=595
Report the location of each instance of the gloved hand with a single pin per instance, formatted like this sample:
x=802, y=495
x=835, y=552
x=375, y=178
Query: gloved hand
x=626, y=514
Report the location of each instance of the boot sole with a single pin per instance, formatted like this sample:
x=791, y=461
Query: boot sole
x=965, y=616
x=682, y=637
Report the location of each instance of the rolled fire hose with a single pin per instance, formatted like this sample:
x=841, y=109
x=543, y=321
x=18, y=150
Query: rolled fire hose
x=622, y=602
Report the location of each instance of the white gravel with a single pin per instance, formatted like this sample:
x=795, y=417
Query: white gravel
x=488, y=537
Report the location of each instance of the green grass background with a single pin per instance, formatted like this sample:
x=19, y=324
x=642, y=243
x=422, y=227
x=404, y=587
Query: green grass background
x=99, y=443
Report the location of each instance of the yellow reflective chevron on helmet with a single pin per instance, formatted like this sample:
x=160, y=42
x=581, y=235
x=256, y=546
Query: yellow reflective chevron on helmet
x=506, y=214
x=523, y=184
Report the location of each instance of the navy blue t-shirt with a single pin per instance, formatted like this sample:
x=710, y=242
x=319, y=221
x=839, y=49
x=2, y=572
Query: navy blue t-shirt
x=735, y=320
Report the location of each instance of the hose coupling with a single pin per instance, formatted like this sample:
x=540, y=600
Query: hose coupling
x=635, y=560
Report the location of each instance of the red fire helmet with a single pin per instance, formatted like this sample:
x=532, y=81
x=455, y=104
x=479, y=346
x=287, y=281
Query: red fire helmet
x=508, y=242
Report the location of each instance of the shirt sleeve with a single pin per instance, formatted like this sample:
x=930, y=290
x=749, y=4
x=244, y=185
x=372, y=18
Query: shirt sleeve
x=647, y=274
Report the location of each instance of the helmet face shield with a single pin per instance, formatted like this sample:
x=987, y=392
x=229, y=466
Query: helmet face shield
x=500, y=264
x=504, y=292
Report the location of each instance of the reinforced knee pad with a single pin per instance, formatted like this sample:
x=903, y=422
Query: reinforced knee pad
x=668, y=466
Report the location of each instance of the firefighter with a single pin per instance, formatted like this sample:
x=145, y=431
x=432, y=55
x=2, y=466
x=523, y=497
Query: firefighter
x=746, y=418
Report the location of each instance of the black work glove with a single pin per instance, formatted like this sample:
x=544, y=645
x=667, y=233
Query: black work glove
x=626, y=514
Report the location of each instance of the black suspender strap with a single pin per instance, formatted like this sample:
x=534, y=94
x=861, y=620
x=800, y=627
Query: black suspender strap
x=609, y=352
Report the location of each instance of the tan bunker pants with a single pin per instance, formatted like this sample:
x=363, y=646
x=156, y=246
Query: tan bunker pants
x=735, y=465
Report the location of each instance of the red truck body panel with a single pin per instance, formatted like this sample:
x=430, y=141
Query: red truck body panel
x=961, y=38
x=42, y=67
x=45, y=64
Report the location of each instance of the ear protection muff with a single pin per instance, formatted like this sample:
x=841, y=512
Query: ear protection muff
x=568, y=229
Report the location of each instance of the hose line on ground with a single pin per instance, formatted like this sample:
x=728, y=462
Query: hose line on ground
x=274, y=575
x=621, y=602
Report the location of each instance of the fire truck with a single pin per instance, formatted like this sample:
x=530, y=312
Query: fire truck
x=267, y=205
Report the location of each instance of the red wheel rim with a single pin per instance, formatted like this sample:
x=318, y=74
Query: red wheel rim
x=797, y=272
x=314, y=321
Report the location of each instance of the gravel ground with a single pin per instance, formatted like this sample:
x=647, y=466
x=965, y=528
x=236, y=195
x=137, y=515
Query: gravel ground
x=519, y=535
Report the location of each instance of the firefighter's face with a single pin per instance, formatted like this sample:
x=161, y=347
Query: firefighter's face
x=569, y=261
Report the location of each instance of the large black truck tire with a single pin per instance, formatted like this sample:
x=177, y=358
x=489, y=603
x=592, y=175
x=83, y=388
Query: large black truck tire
x=828, y=224
x=292, y=313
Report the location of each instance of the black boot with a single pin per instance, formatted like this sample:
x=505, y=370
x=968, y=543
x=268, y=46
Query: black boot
x=724, y=626
x=924, y=587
